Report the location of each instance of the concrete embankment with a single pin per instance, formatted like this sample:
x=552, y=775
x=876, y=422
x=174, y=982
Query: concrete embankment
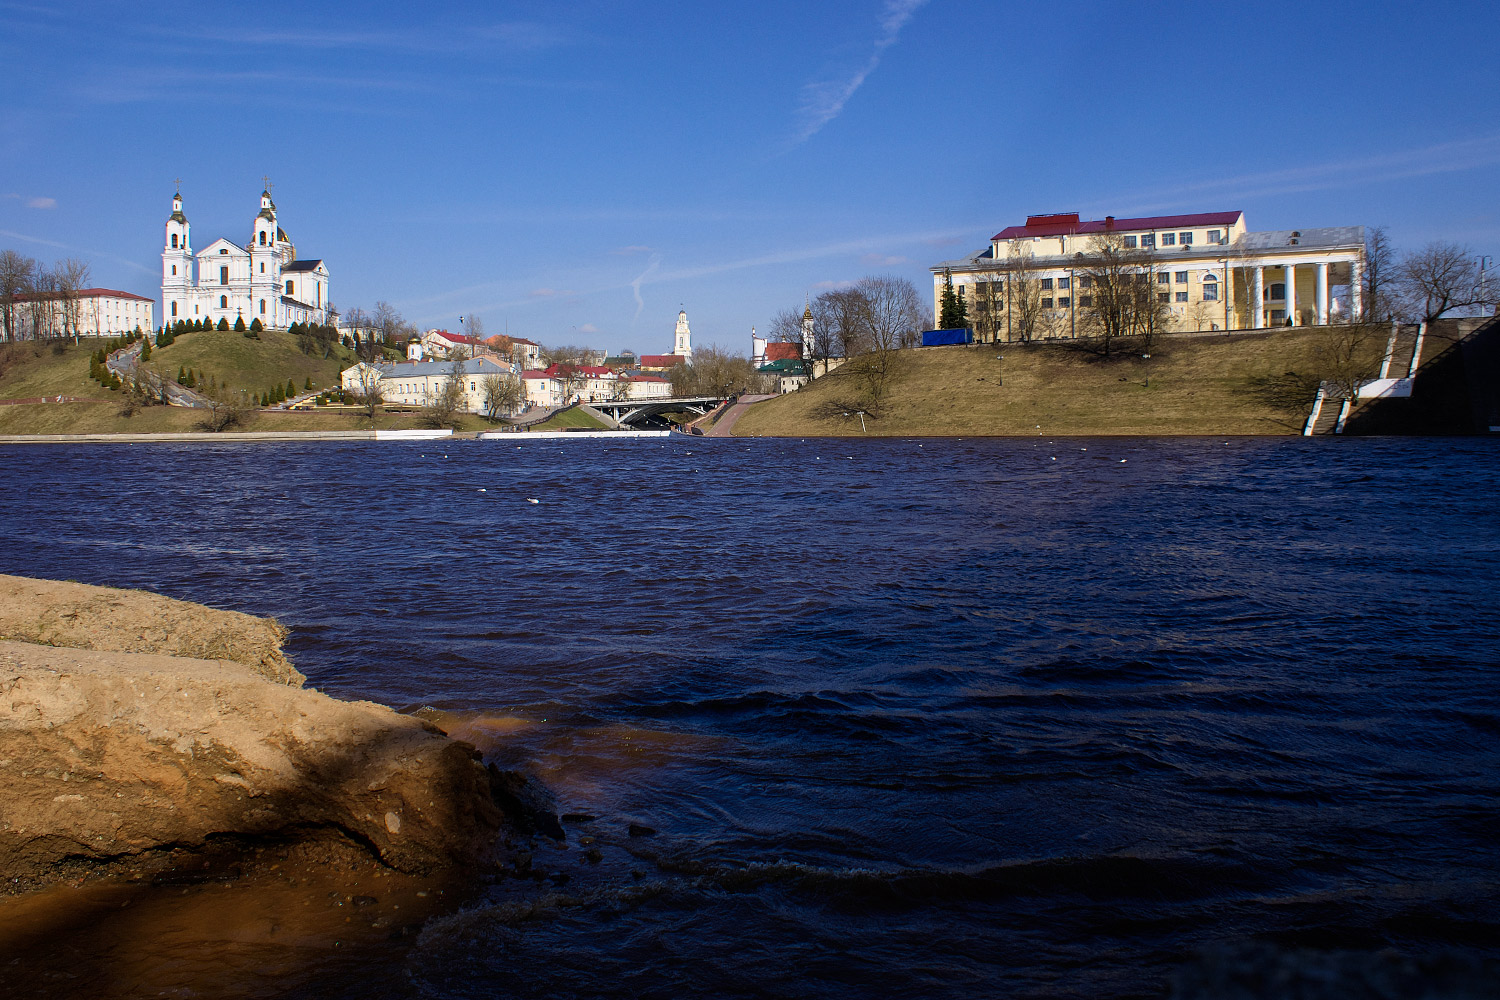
x=226, y=436
x=132, y=723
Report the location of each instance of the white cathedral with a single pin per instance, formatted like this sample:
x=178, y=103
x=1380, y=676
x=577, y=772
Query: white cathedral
x=265, y=281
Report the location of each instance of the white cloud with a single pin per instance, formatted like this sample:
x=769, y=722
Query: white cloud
x=34, y=202
x=588, y=328
x=824, y=100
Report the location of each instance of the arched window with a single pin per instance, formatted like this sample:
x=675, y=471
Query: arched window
x=223, y=302
x=174, y=241
x=1210, y=287
x=262, y=307
x=1276, y=291
x=174, y=309
x=262, y=237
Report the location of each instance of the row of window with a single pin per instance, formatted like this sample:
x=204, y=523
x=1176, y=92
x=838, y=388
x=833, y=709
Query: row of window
x=1148, y=241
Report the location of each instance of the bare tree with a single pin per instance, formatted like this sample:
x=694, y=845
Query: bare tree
x=1348, y=356
x=1438, y=279
x=370, y=393
x=1380, y=269
x=989, y=307
x=17, y=272
x=1025, y=287
x=225, y=408
x=502, y=394
x=444, y=406
x=41, y=302
x=72, y=277
x=1124, y=296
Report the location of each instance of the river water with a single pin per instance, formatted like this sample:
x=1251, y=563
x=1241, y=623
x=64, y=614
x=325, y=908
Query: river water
x=937, y=718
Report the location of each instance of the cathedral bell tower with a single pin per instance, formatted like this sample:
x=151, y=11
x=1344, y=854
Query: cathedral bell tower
x=682, y=340
x=265, y=265
x=176, y=265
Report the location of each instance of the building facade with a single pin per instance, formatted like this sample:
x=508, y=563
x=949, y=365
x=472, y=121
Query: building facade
x=262, y=280
x=419, y=383
x=1209, y=271
x=89, y=312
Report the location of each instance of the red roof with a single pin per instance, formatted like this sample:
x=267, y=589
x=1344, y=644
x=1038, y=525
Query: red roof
x=88, y=293
x=661, y=360
x=788, y=351
x=1068, y=224
x=459, y=338
x=100, y=292
x=554, y=370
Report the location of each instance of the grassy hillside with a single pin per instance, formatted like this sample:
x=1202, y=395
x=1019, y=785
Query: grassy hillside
x=568, y=418
x=32, y=368
x=253, y=365
x=1260, y=383
x=29, y=370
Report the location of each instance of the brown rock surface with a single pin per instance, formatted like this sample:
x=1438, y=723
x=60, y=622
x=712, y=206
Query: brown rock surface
x=107, y=753
x=80, y=616
x=103, y=754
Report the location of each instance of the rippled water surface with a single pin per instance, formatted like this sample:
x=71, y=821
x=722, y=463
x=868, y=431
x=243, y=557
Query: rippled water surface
x=908, y=718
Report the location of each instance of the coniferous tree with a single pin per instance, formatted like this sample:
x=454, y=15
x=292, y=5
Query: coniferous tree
x=256, y=325
x=224, y=323
x=239, y=324
x=291, y=388
x=307, y=384
x=192, y=381
x=949, y=317
x=145, y=350
x=114, y=381
x=181, y=375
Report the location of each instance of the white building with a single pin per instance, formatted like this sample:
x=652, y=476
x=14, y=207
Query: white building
x=418, y=383
x=263, y=280
x=682, y=338
x=93, y=312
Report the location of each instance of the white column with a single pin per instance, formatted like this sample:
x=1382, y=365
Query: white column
x=1356, y=292
x=1320, y=292
x=1258, y=302
x=1291, y=293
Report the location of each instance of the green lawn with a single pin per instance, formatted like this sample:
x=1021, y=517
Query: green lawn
x=32, y=368
x=232, y=359
x=1260, y=383
x=568, y=418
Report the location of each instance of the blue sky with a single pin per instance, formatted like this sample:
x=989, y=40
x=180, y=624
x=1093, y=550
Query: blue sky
x=575, y=173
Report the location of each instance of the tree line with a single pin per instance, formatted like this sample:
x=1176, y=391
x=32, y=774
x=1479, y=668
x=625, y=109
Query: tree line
x=38, y=301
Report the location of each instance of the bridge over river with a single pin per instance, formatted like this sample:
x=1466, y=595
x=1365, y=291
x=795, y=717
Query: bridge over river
x=635, y=412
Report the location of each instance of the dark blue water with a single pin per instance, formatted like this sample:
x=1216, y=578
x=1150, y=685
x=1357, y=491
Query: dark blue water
x=909, y=718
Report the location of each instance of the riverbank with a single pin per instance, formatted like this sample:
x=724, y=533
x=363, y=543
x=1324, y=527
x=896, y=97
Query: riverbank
x=1242, y=384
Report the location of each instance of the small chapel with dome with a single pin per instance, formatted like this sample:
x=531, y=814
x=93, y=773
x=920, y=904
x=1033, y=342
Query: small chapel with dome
x=262, y=280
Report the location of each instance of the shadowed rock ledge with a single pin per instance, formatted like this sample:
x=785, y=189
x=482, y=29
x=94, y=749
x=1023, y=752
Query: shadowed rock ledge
x=130, y=746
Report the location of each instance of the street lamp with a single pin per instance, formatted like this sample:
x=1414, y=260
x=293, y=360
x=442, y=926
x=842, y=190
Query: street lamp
x=1147, y=358
x=1000, y=379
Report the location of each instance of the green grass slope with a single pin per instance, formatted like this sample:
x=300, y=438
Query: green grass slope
x=1261, y=383
x=232, y=358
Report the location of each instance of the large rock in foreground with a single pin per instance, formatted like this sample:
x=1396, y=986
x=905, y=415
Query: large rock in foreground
x=130, y=722
x=80, y=616
x=103, y=754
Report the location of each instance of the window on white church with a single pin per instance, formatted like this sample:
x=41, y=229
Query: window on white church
x=223, y=302
x=262, y=237
x=174, y=268
x=224, y=252
x=262, y=267
x=262, y=307
x=223, y=275
x=174, y=309
x=289, y=288
x=174, y=241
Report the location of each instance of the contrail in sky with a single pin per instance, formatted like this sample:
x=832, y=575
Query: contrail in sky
x=823, y=101
x=635, y=285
